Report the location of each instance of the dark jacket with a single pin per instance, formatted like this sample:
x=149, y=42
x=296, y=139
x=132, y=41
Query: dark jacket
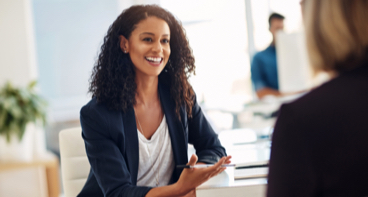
x=320, y=142
x=111, y=142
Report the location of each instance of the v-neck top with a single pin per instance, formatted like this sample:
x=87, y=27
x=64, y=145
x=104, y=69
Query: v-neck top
x=156, y=161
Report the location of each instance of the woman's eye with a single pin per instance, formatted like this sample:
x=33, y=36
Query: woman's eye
x=166, y=41
x=147, y=39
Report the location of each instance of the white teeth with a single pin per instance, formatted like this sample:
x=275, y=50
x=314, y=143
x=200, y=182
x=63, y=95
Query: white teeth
x=154, y=59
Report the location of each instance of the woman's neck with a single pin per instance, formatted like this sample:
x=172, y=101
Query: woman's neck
x=147, y=91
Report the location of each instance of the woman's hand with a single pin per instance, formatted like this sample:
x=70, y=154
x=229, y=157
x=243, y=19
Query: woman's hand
x=191, y=178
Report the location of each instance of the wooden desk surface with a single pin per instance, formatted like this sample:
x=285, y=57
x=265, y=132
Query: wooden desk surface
x=48, y=160
x=51, y=164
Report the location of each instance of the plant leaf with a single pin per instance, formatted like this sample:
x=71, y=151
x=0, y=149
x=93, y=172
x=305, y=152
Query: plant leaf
x=32, y=84
x=18, y=106
x=3, y=116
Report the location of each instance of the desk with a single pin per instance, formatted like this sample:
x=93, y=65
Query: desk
x=250, y=152
x=221, y=186
x=255, y=116
x=225, y=184
x=241, y=188
x=49, y=164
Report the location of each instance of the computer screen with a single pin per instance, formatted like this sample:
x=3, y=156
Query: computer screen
x=294, y=71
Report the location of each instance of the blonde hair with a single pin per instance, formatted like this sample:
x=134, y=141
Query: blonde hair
x=336, y=33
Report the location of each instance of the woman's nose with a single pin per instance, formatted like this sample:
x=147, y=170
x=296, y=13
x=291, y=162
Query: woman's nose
x=157, y=47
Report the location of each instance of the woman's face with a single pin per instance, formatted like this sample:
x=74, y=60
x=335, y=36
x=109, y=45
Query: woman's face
x=148, y=46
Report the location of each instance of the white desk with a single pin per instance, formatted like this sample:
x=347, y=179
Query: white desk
x=241, y=188
x=249, y=152
x=225, y=185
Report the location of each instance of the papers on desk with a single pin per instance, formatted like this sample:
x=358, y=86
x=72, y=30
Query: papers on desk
x=250, y=173
x=251, y=170
x=225, y=185
x=237, y=182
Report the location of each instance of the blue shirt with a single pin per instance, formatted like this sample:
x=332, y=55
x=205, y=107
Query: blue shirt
x=264, y=69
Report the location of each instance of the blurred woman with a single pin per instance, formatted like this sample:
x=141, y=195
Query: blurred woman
x=143, y=112
x=320, y=141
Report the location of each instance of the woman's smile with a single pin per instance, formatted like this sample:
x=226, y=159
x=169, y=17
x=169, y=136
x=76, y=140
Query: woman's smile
x=154, y=61
x=149, y=46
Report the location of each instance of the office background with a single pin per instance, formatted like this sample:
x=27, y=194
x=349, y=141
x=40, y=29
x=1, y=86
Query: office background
x=57, y=42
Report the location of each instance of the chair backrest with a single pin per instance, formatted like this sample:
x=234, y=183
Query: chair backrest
x=74, y=162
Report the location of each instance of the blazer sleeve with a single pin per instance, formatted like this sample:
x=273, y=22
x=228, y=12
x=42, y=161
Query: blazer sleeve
x=106, y=160
x=202, y=136
x=291, y=170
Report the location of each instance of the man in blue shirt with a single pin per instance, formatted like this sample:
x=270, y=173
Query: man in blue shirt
x=264, y=64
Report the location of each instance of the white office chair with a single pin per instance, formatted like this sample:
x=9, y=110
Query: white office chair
x=74, y=162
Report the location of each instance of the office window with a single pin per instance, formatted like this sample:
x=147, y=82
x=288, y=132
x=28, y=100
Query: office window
x=69, y=34
x=217, y=34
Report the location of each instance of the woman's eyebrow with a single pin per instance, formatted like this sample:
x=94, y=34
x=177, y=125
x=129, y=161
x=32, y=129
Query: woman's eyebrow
x=149, y=33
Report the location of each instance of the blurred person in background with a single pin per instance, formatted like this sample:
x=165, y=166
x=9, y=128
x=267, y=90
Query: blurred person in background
x=319, y=144
x=144, y=112
x=264, y=64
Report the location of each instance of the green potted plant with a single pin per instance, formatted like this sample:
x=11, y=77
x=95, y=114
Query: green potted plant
x=20, y=110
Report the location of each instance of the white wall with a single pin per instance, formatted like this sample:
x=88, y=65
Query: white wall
x=17, y=45
x=69, y=34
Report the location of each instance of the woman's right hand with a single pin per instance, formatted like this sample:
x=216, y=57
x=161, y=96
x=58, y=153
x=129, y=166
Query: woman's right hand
x=191, y=178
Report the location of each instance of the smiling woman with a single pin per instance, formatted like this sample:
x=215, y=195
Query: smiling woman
x=148, y=46
x=141, y=78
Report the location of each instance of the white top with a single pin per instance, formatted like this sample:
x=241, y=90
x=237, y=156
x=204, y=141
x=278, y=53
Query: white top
x=156, y=160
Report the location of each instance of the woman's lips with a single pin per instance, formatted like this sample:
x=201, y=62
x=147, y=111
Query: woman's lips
x=154, y=61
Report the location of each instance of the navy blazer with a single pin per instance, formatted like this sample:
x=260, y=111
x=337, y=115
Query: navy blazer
x=111, y=142
x=320, y=141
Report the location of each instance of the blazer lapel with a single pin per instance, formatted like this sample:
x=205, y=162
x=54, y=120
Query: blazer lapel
x=176, y=130
x=131, y=143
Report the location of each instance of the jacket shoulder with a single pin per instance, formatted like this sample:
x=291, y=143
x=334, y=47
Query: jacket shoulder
x=93, y=106
x=100, y=115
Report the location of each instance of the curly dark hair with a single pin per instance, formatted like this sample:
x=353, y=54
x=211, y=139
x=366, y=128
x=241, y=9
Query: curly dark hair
x=113, y=76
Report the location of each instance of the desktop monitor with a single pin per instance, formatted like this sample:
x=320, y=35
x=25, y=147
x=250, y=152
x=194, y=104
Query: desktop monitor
x=294, y=72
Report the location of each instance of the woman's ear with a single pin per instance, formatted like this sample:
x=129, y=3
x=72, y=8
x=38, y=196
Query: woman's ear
x=124, y=44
